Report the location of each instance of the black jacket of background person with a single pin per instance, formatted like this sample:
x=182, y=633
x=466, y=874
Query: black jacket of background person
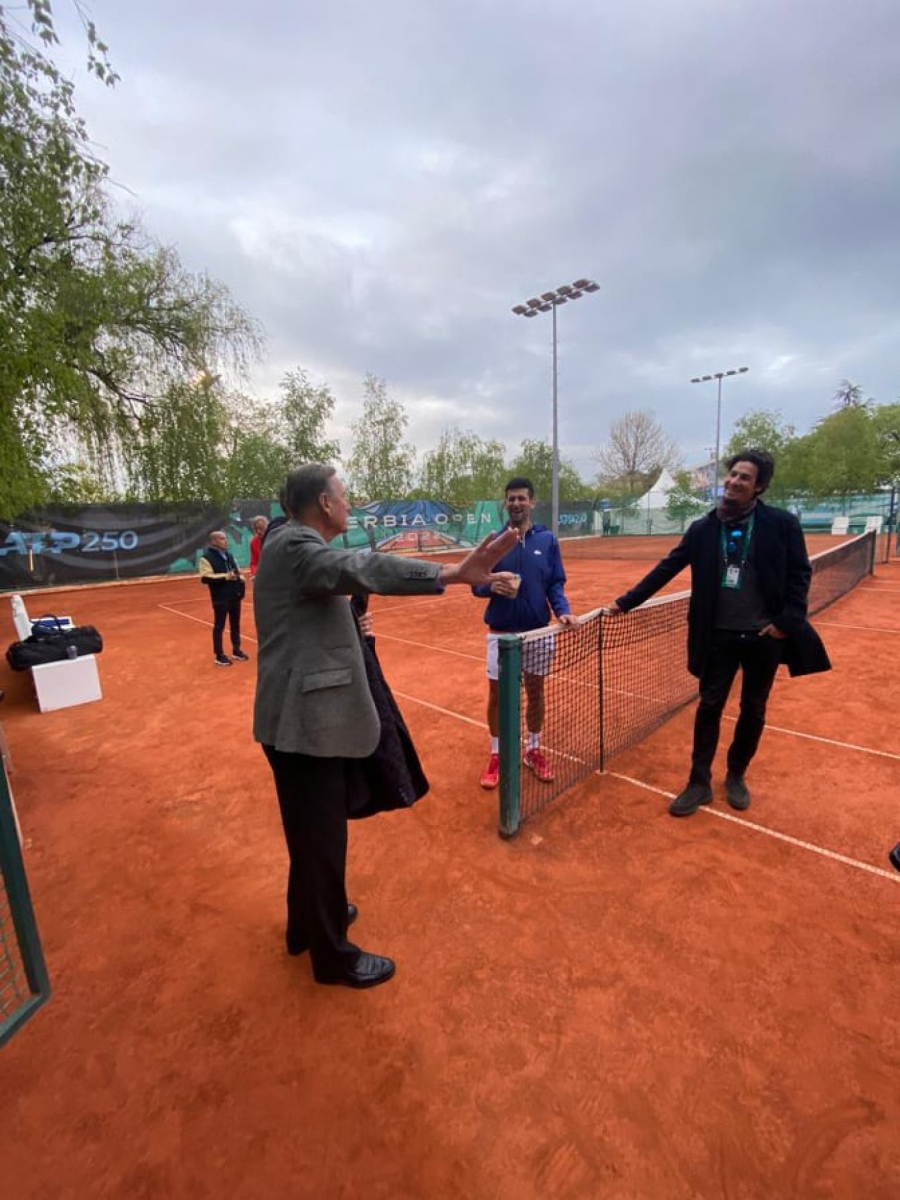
x=222, y=590
x=778, y=552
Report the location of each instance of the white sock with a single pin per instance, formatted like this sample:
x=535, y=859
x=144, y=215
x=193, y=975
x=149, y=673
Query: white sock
x=495, y=745
x=534, y=740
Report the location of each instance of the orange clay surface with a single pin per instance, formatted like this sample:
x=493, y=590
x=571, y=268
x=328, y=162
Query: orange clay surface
x=613, y=1005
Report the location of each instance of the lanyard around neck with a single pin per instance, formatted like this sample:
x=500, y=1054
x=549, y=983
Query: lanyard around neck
x=745, y=547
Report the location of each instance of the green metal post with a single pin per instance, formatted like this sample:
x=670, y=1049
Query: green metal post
x=510, y=675
x=27, y=943
x=602, y=747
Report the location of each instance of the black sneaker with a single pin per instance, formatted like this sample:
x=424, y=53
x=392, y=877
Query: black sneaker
x=240, y=656
x=736, y=792
x=222, y=660
x=894, y=856
x=690, y=799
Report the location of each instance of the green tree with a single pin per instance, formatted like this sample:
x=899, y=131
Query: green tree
x=257, y=460
x=304, y=409
x=76, y=482
x=766, y=429
x=886, y=420
x=760, y=429
x=462, y=469
x=181, y=446
x=535, y=462
x=95, y=319
x=381, y=464
x=842, y=455
x=683, y=502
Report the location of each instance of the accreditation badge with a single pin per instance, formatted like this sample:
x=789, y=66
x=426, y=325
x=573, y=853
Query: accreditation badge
x=732, y=577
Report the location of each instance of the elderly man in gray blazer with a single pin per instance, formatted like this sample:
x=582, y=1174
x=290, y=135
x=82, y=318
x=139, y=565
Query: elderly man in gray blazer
x=314, y=712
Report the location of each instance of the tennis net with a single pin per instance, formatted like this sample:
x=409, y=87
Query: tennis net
x=610, y=681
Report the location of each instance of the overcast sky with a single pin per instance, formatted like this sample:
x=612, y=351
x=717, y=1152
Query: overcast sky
x=378, y=184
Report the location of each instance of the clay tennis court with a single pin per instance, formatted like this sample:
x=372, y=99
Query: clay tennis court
x=613, y=1004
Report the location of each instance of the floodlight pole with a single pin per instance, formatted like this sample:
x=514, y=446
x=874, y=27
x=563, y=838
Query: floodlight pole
x=719, y=376
x=892, y=523
x=554, y=454
x=549, y=302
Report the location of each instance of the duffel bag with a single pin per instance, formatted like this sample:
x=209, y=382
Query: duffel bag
x=48, y=645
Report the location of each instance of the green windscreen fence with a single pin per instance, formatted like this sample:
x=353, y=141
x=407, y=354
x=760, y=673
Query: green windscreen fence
x=612, y=680
x=24, y=985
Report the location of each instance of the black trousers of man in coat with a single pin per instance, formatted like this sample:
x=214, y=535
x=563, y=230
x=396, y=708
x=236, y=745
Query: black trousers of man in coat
x=312, y=796
x=758, y=658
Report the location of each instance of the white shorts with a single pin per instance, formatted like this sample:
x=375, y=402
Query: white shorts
x=537, y=655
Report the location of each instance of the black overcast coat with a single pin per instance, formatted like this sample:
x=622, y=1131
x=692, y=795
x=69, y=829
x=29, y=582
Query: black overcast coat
x=778, y=552
x=392, y=776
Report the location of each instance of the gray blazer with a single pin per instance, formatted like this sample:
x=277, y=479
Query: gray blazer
x=312, y=696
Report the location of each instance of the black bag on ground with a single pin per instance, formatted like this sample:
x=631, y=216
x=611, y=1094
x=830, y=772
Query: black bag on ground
x=48, y=643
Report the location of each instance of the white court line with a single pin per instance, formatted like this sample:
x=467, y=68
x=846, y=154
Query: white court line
x=446, y=712
x=861, y=628
x=893, y=876
x=783, y=837
x=479, y=658
x=388, y=637
x=814, y=737
x=200, y=621
x=405, y=607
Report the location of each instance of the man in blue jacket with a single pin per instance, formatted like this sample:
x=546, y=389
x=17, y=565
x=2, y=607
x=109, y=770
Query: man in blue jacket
x=750, y=578
x=518, y=606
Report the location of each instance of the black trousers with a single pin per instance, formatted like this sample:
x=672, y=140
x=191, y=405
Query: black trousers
x=758, y=658
x=230, y=609
x=312, y=796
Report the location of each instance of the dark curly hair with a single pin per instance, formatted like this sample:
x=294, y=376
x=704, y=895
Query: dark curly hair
x=761, y=459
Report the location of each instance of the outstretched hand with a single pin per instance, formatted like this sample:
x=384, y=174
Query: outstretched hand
x=475, y=568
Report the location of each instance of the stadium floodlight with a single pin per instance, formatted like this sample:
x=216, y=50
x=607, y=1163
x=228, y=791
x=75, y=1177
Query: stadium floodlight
x=718, y=376
x=550, y=302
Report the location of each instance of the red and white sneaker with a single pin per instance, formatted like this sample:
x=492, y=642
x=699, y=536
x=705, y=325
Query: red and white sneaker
x=534, y=759
x=491, y=776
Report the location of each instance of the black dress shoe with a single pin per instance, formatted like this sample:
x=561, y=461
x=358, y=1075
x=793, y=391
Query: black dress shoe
x=297, y=945
x=736, y=792
x=688, y=801
x=369, y=971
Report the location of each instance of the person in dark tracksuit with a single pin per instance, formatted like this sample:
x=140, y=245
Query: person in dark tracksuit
x=750, y=577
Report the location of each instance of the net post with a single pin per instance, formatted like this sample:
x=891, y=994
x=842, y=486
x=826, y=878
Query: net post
x=22, y=941
x=601, y=732
x=510, y=691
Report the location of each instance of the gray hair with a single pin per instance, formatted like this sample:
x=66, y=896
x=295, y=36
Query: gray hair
x=305, y=485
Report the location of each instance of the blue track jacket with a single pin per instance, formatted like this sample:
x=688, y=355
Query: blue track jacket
x=538, y=560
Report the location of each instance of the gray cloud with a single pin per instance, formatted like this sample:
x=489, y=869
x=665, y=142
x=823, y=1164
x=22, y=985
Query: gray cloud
x=380, y=184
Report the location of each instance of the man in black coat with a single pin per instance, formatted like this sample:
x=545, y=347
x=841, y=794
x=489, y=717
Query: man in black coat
x=750, y=578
